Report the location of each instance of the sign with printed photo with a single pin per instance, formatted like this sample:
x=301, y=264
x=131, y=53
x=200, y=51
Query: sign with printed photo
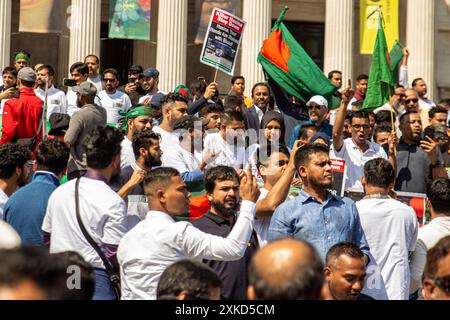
x=339, y=171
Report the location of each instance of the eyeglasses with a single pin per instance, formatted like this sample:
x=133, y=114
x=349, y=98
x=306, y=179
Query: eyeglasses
x=411, y=100
x=443, y=283
x=358, y=127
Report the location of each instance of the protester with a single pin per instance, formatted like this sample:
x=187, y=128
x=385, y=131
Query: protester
x=80, y=73
x=56, y=99
x=211, y=113
x=286, y=269
x=238, y=89
x=150, y=81
x=421, y=88
x=21, y=59
x=438, y=116
x=133, y=88
x=436, y=283
x=362, y=83
x=93, y=63
x=8, y=88
x=260, y=95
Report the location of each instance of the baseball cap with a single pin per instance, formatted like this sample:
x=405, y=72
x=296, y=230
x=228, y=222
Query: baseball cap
x=151, y=72
x=321, y=101
x=187, y=122
x=86, y=89
x=27, y=74
x=157, y=100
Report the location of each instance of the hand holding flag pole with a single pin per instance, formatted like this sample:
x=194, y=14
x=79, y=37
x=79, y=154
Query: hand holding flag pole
x=44, y=111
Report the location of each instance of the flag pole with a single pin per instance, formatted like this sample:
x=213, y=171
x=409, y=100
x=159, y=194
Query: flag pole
x=215, y=75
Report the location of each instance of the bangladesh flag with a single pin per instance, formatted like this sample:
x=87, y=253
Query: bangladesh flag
x=396, y=55
x=286, y=62
x=381, y=81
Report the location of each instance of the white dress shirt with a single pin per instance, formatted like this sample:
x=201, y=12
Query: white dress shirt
x=355, y=160
x=158, y=241
x=391, y=230
x=56, y=100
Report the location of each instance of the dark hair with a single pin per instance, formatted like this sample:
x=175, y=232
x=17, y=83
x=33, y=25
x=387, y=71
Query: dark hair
x=434, y=257
x=198, y=86
x=52, y=155
x=28, y=84
x=227, y=117
x=232, y=102
x=343, y=248
x=219, y=174
x=79, y=67
x=135, y=69
x=235, y=78
x=331, y=74
x=101, y=145
x=303, y=132
x=398, y=85
x=438, y=192
x=264, y=158
x=381, y=128
x=383, y=116
x=359, y=115
x=303, y=155
x=49, y=68
x=407, y=113
x=172, y=98
x=436, y=110
x=445, y=102
x=305, y=281
x=362, y=77
x=12, y=156
x=64, y=264
x=113, y=71
x=143, y=139
x=159, y=176
x=11, y=71
x=261, y=84
x=93, y=56
x=379, y=173
x=193, y=277
x=414, y=83
x=210, y=108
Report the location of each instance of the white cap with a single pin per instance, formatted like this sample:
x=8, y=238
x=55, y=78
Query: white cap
x=321, y=101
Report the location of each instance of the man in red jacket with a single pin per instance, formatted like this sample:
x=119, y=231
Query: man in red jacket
x=21, y=116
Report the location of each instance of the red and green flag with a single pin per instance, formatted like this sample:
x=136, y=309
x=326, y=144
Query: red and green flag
x=396, y=55
x=381, y=80
x=285, y=61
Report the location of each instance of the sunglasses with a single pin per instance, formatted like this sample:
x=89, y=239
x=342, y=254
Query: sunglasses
x=443, y=283
x=412, y=100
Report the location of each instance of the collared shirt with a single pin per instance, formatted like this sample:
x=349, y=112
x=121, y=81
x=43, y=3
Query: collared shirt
x=232, y=273
x=113, y=103
x=158, y=241
x=322, y=225
x=355, y=160
x=56, y=100
x=102, y=211
x=391, y=230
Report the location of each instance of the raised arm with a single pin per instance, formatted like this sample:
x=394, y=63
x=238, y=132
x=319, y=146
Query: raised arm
x=338, y=128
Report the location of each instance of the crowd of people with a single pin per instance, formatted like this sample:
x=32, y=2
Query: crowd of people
x=114, y=189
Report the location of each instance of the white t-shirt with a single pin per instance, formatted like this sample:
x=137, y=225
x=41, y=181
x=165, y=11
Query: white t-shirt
x=103, y=213
x=72, y=105
x=227, y=154
x=3, y=199
x=126, y=153
x=97, y=81
x=180, y=159
x=113, y=103
x=9, y=238
x=56, y=100
x=261, y=225
x=391, y=229
x=168, y=139
x=355, y=160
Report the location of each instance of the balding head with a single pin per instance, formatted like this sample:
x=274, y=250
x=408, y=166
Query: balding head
x=286, y=269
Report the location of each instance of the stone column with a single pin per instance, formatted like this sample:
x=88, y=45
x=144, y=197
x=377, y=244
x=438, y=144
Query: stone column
x=172, y=43
x=64, y=43
x=420, y=35
x=258, y=15
x=339, y=38
x=5, y=33
x=85, y=20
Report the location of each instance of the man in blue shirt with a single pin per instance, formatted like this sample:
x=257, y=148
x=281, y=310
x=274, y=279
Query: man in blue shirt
x=317, y=111
x=26, y=208
x=316, y=215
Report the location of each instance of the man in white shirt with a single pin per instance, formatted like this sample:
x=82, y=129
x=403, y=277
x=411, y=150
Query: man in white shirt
x=174, y=107
x=93, y=63
x=113, y=100
x=78, y=72
x=391, y=230
x=139, y=118
x=157, y=242
x=358, y=149
x=228, y=145
x=438, y=194
x=150, y=85
x=101, y=210
x=14, y=170
x=420, y=86
x=56, y=99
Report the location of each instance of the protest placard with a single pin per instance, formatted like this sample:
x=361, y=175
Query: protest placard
x=339, y=171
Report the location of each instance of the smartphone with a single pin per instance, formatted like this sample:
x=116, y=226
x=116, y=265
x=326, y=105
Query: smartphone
x=69, y=82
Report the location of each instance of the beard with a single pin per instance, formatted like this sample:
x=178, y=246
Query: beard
x=151, y=162
x=320, y=183
x=224, y=210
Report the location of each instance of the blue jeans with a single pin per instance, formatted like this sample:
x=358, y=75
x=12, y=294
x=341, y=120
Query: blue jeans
x=103, y=287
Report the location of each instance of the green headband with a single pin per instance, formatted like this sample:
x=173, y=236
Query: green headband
x=138, y=111
x=22, y=56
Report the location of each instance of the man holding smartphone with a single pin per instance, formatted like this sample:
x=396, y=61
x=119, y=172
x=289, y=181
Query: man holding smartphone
x=134, y=86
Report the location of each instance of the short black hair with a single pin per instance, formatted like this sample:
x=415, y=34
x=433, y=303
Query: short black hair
x=12, y=156
x=383, y=116
x=219, y=174
x=407, y=113
x=232, y=102
x=433, y=111
x=303, y=155
x=113, y=72
x=235, y=78
x=172, y=98
x=331, y=74
x=343, y=248
x=52, y=155
x=261, y=84
x=143, y=139
x=381, y=128
x=359, y=115
x=379, y=173
x=210, y=108
x=159, y=176
x=362, y=77
x=11, y=71
x=434, y=257
x=414, y=83
x=49, y=68
x=135, y=69
x=263, y=157
x=438, y=192
x=79, y=67
x=229, y=116
x=93, y=56
x=101, y=145
x=303, y=132
x=198, y=86
x=191, y=276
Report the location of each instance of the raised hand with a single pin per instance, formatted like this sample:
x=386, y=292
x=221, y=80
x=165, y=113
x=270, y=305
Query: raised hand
x=249, y=188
